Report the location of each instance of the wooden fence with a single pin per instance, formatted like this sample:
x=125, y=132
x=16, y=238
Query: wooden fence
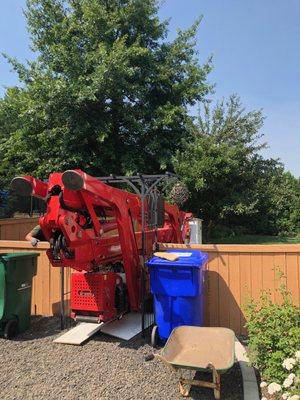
x=238, y=272
x=235, y=272
x=16, y=228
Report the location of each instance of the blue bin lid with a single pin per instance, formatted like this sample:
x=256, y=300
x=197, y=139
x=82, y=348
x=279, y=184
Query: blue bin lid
x=191, y=258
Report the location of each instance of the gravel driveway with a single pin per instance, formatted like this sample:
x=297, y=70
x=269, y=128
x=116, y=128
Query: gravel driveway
x=33, y=367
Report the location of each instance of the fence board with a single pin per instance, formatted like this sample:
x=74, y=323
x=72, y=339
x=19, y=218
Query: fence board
x=235, y=298
x=293, y=276
x=280, y=274
x=268, y=273
x=233, y=276
x=246, y=284
x=213, y=287
x=223, y=295
x=16, y=228
x=256, y=275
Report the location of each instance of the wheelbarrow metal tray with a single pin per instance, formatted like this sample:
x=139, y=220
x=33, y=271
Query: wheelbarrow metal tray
x=193, y=347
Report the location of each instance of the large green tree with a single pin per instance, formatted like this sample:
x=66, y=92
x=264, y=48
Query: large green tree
x=229, y=181
x=107, y=93
x=215, y=163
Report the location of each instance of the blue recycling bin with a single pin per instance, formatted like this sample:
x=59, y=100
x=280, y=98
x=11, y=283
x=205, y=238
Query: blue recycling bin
x=178, y=290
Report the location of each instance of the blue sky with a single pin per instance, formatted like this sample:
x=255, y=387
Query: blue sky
x=255, y=46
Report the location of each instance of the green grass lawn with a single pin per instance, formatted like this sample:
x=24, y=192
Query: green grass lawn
x=257, y=239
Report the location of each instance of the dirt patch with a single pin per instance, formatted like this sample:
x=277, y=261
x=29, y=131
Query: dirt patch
x=33, y=367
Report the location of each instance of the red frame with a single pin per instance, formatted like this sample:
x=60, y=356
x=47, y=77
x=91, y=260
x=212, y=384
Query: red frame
x=92, y=247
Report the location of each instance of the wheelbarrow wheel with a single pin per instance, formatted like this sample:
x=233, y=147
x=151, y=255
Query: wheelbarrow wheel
x=11, y=329
x=154, y=336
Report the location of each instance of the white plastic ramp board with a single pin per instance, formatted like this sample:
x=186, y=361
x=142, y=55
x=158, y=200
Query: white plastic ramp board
x=79, y=334
x=128, y=326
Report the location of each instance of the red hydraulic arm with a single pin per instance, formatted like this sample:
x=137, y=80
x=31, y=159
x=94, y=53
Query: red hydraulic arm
x=90, y=225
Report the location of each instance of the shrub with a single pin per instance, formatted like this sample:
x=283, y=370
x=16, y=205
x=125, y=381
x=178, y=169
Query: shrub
x=290, y=387
x=274, y=333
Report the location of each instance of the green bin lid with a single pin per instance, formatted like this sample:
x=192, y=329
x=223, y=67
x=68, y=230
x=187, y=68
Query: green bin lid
x=24, y=254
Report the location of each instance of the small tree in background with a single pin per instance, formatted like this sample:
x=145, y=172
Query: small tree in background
x=216, y=163
x=286, y=204
x=107, y=92
x=229, y=181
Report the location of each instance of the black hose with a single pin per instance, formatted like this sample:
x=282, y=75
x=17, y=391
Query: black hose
x=68, y=208
x=149, y=357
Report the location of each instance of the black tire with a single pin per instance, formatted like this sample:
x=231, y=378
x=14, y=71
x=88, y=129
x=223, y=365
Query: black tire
x=148, y=307
x=11, y=329
x=154, y=336
x=121, y=299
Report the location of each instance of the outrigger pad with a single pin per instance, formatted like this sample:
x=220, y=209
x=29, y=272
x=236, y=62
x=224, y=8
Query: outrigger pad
x=125, y=328
x=72, y=180
x=79, y=334
x=128, y=326
x=21, y=186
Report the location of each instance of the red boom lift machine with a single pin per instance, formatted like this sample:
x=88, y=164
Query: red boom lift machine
x=105, y=234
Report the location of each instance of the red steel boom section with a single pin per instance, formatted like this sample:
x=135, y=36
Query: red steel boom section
x=91, y=225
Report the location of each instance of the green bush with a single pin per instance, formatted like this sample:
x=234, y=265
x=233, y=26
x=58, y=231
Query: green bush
x=274, y=333
x=221, y=232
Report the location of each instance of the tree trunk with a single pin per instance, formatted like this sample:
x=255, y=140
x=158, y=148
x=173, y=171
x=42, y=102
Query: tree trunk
x=209, y=228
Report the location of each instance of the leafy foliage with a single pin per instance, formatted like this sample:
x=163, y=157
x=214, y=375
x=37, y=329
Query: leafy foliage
x=277, y=208
x=217, y=164
x=274, y=333
x=231, y=184
x=107, y=92
x=286, y=204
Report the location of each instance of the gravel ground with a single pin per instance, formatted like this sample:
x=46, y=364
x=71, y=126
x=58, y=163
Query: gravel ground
x=33, y=367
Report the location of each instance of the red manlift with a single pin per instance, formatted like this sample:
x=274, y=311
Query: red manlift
x=104, y=233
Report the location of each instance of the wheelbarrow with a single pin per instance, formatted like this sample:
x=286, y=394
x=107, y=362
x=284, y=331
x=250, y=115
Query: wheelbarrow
x=199, y=349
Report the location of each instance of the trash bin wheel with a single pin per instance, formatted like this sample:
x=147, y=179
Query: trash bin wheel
x=154, y=336
x=11, y=329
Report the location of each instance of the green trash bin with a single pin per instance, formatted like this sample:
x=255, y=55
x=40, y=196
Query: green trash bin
x=16, y=273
